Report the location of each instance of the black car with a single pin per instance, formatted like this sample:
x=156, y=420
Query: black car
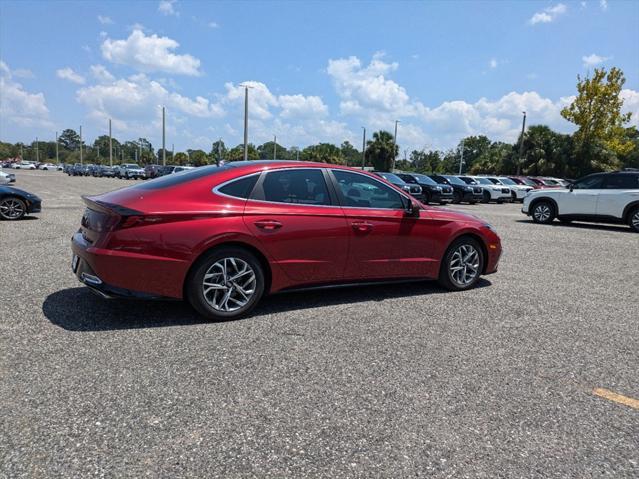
x=461, y=191
x=432, y=191
x=104, y=171
x=15, y=203
x=414, y=190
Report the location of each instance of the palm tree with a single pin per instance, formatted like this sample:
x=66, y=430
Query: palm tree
x=380, y=152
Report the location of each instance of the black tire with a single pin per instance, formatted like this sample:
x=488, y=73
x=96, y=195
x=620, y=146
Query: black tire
x=472, y=202
x=446, y=278
x=426, y=199
x=543, y=212
x=442, y=203
x=194, y=290
x=457, y=197
x=633, y=219
x=12, y=208
x=485, y=197
x=500, y=201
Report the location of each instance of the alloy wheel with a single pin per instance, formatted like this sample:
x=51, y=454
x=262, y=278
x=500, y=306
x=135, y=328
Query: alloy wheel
x=635, y=220
x=229, y=284
x=464, y=264
x=12, y=208
x=542, y=213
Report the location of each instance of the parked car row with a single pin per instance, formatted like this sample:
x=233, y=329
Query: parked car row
x=31, y=165
x=129, y=171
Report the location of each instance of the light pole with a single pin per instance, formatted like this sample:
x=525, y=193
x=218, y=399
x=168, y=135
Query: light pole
x=57, y=160
x=394, y=145
x=275, y=147
x=80, y=144
x=246, y=89
x=521, y=144
x=163, y=136
x=110, y=146
x=364, y=148
x=461, y=160
x=37, y=152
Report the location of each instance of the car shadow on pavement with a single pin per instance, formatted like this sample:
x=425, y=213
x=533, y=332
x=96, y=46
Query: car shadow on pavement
x=78, y=309
x=586, y=226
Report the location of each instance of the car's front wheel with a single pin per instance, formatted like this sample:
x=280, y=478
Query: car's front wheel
x=462, y=265
x=225, y=284
x=12, y=208
x=543, y=212
x=485, y=197
x=633, y=219
x=457, y=197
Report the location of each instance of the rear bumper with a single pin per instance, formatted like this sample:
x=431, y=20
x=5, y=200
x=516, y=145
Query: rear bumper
x=125, y=274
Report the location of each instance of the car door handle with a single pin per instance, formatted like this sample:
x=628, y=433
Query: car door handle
x=362, y=226
x=268, y=225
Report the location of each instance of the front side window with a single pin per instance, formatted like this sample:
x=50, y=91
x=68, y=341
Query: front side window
x=361, y=191
x=296, y=186
x=622, y=182
x=589, y=183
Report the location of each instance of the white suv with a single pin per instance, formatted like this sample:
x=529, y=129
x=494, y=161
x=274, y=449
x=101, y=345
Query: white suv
x=518, y=192
x=599, y=198
x=492, y=191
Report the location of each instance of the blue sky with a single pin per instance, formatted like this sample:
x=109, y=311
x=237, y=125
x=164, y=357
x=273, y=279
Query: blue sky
x=319, y=70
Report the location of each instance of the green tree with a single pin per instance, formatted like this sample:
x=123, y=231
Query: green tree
x=380, y=152
x=218, y=151
x=352, y=156
x=323, y=153
x=69, y=139
x=266, y=151
x=426, y=161
x=600, y=138
x=197, y=157
x=181, y=158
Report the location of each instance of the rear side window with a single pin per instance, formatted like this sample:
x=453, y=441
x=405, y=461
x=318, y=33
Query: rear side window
x=622, y=182
x=240, y=188
x=296, y=186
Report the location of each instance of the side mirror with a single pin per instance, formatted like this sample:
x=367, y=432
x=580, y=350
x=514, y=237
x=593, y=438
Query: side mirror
x=410, y=208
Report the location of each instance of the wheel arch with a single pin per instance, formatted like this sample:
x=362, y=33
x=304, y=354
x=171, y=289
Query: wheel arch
x=268, y=273
x=550, y=200
x=630, y=207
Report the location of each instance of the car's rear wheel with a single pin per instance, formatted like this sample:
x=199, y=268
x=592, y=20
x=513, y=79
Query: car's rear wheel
x=225, y=284
x=426, y=199
x=485, y=197
x=462, y=265
x=12, y=208
x=543, y=212
x=457, y=197
x=633, y=219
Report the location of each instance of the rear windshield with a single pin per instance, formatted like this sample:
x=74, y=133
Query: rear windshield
x=181, y=177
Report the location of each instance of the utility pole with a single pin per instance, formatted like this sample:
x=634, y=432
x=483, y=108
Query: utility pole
x=394, y=145
x=37, y=152
x=521, y=144
x=274, y=147
x=364, y=148
x=139, y=149
x=80, y=144
x=98, y=147
x=219, y=151
x=57, y=160
x=110, y=145
x=246, y=89
x=297, y=154
x=163, y=136
x=461, y=160
x=172, y=152
x=21, y=153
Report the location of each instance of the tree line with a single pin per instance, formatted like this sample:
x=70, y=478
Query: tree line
x=601, y=142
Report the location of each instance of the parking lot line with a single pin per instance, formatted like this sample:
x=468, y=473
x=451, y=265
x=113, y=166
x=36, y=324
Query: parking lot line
x=618, y=398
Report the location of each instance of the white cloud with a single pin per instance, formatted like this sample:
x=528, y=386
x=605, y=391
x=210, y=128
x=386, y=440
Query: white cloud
x=548, y=14
x=150, y=53
x=212, y=25
x=493, y=63
x=593, y=60
x=18, y=106
x=603, y=4
x=165, y=7
x=67, y=73
x=23, y=73
x=298, y=106
x=137, y=99
x=101, y=74
x=104, y=20
x=631, y=105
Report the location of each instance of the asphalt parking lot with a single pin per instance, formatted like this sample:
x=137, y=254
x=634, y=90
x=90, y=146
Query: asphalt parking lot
x=383, y=381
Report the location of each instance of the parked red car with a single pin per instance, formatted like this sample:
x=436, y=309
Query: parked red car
x=222, y=237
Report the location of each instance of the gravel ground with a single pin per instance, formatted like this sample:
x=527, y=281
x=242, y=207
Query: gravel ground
x=383, y=381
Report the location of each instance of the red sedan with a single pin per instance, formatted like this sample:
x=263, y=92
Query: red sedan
x=222, y=237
